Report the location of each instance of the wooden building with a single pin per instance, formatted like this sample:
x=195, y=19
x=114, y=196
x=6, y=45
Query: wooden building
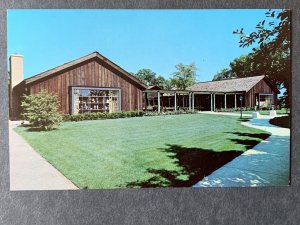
x=251, y=92
x=92, y=83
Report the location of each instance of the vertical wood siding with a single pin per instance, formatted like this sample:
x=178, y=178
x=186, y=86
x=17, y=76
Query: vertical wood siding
x=261, y=87
x=90, y=74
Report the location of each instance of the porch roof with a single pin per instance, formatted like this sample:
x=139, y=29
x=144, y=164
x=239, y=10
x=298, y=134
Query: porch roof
x=230, y=85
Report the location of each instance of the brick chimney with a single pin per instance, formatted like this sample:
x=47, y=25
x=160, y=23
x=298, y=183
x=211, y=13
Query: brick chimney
x=16, y=77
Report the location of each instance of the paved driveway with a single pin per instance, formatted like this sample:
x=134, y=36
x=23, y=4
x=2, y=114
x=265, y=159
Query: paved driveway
x=30, y=171
x=267, y=164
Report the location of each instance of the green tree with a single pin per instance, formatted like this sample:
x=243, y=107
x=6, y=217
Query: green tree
x=163, y=83
x=41, y=110
x=147, y=76
x=224, y=74
x=185, y=76
x=272, y=55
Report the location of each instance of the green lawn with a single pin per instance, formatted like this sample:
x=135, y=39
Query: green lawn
x=175, y=150
x=265, y=112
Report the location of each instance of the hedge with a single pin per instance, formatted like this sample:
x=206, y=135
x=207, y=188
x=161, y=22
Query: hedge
x=116, y=115
x=104, y=115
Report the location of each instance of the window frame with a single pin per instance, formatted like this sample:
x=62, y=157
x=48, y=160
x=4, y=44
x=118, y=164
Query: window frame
x=72, y=88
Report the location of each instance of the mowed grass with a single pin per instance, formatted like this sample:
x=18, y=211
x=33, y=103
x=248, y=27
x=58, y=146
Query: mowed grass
x=266, y=112
x=175, y=150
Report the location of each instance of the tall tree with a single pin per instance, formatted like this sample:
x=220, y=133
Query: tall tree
x=147, y=76
x=163, y=83
x=185, y=76
x=272, y=57
x=224, y=74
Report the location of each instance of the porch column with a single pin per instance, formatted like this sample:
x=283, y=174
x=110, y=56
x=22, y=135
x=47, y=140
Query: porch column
x=193, y=102
x=234, y=101
x=190, y=95
x=214, y=102
x=146, y=101
x=211, y=102
x=225, y=101
x=158, y=100
x=175, y=102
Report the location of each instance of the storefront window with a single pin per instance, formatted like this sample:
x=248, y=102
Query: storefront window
x=88, y=100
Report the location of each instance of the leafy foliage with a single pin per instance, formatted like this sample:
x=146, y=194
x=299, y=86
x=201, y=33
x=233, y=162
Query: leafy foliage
x=272, y=57
x=100, y=115
x=224, y=74
x=147, y=76
x=185, y=76
x=163, y=83
x=41, y=110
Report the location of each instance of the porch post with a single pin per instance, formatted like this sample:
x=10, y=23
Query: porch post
x=211, y=102
x=234, y=101
x=158, y=99
x=193, y=101
x=190, y=95
x=146, y=101
x=225, y=101
x=214, y=102
x=175, y=102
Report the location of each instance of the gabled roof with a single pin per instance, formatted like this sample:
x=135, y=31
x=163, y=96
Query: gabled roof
x=153, y=87
x=94, y=55
x=231, y=85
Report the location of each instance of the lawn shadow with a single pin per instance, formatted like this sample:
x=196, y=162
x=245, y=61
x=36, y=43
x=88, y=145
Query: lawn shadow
x=29, y=128
x=261, y=136
x=196, y=163
x=243, y=119
x=252, y=139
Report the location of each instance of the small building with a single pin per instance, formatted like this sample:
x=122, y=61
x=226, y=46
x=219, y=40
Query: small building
x=91, y=83
x=251, y=92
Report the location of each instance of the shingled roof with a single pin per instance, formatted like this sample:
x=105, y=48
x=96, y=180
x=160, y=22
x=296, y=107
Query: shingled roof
x=230, y=85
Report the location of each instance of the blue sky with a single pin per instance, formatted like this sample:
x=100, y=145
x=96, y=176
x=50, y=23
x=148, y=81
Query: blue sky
x=133, y=39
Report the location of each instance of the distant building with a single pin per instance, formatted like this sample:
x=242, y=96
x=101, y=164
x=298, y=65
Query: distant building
x=250, y=92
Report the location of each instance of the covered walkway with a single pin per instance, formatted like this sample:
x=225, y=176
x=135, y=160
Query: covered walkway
x=174, y=100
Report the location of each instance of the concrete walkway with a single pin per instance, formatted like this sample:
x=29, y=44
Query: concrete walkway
x=30, y=171
x=267, y=164
x=226, y=113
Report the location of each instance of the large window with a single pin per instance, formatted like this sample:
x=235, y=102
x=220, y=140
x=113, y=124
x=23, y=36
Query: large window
x=88, y=100
x=264, y=100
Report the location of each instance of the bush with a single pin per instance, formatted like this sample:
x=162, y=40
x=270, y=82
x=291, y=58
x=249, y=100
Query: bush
x=41, y=110
x=178, y=112
x=102, y=115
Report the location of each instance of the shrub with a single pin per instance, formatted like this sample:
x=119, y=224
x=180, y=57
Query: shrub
x=41, y=110
x=66, y=117
x=102, y=115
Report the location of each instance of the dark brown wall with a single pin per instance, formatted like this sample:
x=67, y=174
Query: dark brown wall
x=260, y=87
x=93, y=73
